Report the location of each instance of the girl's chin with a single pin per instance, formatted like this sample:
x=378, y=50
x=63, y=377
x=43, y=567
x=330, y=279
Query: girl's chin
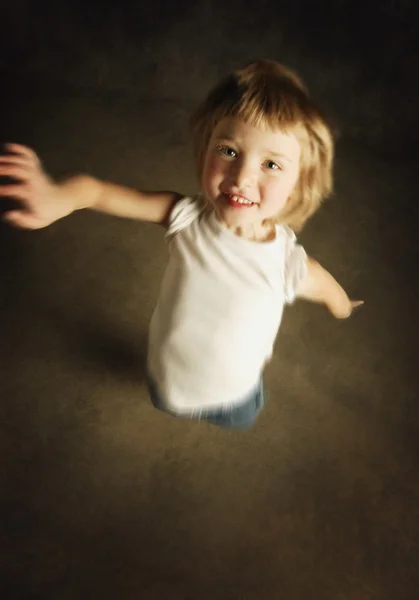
x=232, y=220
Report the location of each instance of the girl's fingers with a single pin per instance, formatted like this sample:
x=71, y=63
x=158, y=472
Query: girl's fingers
x=10, y=216
x=8, y=159
x=23, y=220
x=14, y=191
x=356, y=304
x=17, y=171
x=24, y=151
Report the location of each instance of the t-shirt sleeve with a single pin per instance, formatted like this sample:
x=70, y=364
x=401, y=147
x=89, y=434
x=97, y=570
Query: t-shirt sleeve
x=295, y=268
x=183, y=214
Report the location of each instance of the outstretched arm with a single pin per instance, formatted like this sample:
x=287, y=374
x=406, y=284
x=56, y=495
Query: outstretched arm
x=320, y=286
x=45, y=201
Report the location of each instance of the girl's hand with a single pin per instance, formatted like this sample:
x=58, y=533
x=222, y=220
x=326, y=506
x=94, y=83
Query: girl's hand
x=43, y=200
x=345, y=312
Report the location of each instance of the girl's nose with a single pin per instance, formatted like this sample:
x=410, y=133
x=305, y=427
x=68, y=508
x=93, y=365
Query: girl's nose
x=242, y=175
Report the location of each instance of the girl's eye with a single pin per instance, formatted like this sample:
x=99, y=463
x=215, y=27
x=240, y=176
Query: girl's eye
x=227, y=151
x=273, y=166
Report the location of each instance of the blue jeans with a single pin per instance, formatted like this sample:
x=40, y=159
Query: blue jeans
x=241, y=415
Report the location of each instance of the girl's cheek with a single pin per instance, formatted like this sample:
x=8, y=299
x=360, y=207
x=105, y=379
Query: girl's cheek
x=212, y=163
x=212, y=171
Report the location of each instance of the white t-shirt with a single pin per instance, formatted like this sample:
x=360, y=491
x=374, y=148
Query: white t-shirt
x=219, y=309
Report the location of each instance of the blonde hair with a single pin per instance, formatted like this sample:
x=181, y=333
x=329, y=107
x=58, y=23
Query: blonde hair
x=265, y=93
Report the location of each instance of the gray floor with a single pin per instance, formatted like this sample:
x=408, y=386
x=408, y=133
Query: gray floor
x=101, y=495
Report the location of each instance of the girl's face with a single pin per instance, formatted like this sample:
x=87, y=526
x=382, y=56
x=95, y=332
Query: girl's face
x=249, y=174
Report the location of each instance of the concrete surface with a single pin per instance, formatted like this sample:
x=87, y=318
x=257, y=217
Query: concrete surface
x=101, y=495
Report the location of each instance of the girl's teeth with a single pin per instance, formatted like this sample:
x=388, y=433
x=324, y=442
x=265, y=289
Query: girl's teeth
x=241, y=200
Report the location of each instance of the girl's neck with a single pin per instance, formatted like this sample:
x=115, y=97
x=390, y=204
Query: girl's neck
x=254, y=233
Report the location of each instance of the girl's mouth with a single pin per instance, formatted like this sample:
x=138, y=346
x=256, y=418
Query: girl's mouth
x=238, y=201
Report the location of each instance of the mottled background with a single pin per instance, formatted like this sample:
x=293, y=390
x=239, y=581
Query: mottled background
x=101, y=495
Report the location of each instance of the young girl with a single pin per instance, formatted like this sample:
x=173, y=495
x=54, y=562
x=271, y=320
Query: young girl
x=264, y=157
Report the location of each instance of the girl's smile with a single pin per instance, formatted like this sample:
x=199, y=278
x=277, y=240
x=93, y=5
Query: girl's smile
x=237, y=201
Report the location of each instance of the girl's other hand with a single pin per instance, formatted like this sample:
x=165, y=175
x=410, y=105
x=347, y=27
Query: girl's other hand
x=345, y=313
x=43, y=201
